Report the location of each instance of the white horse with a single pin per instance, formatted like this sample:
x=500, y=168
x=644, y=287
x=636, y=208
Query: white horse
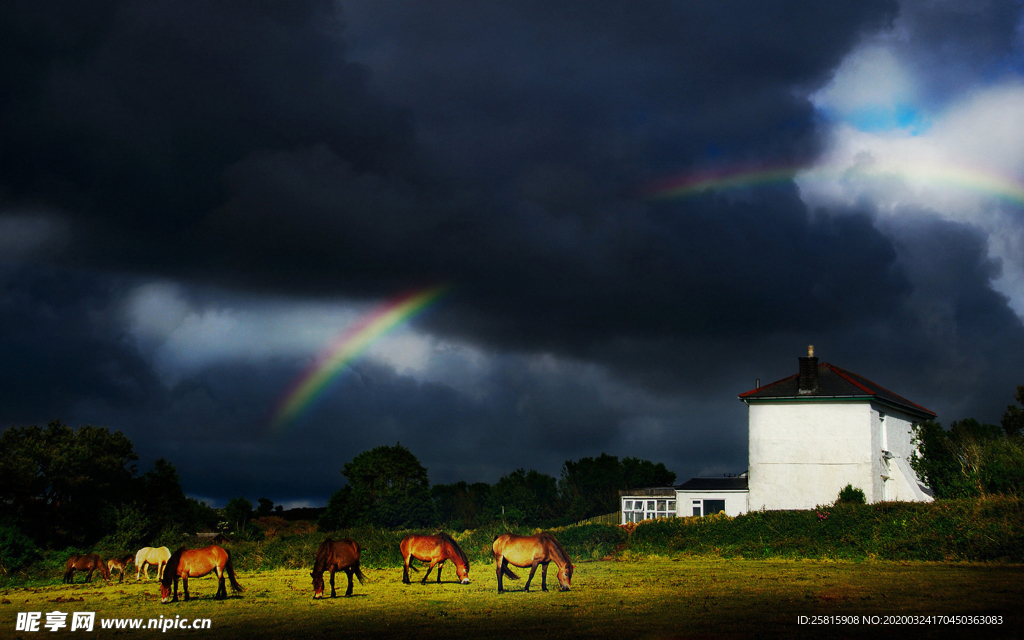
x=157, y=556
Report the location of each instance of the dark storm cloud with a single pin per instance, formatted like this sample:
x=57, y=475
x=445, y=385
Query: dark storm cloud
x=955, y=41
x=60, y=346
x=499, y=147
x=238, y=143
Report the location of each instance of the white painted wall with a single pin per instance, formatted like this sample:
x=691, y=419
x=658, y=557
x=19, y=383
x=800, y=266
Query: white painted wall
x=892, y=431
x=801, y=453
x=735, y=501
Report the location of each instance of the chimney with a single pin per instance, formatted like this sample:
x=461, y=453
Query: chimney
x=808, y=372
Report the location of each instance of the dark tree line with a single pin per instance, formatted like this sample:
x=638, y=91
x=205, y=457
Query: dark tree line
x=972, y=458
x=64, y=487
x=388, y=487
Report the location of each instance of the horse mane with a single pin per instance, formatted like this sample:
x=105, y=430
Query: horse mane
x=322, y=554
x=171, y=568
x=455, y=545
x=558, y=548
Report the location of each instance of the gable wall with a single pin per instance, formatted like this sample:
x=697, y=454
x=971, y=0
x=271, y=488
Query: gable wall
x=802, y=453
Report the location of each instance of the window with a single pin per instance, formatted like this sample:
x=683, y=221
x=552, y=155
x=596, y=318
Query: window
x=713, y=506
x=639, y=510
x=708, y=507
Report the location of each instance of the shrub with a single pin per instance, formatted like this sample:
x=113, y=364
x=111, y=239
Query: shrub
x=851, y=495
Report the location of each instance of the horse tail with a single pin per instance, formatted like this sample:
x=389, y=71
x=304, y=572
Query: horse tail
x=359, y=574
x=508, y=572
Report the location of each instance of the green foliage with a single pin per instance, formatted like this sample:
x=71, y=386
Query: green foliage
x=131, y=532
x=1013, y=419
x=637, y=474
x=387, y=487
x=16, y=549
x=460, y=505
x=524, y=496
x=970, y=459
x=590, y=486
x=265, y=508
x=851, y=495
x=969, y=530
x=238, y=512
x=59, y=482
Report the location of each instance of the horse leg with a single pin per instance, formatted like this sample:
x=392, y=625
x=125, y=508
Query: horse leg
x=174, y=598
x=160, y=566
x=440, y=565
x=405, y=573
x=334, y=593
x=88, y=577
x=427, y=574
x=498, y=566
x=222, y=592
x=348, y=591
x=544, y=577
x=184, y=587
x=533, y=570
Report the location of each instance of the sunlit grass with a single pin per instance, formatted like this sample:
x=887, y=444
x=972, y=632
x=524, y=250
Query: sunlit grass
x=647, y=598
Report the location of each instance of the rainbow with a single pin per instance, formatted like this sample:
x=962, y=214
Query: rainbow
x=931, y=175
x=348, y=346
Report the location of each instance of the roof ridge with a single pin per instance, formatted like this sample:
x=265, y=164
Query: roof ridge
x=847, y=375
x=769, y=385
x=892, y=393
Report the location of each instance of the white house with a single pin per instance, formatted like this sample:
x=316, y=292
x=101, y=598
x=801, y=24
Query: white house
x=809, y=435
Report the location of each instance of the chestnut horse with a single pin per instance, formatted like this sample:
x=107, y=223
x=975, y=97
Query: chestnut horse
x=157, y=556
x=530, y=551
x=435, y=550
x=89, y=562
x=196, y=563
x=120, y=564
x=336, y=555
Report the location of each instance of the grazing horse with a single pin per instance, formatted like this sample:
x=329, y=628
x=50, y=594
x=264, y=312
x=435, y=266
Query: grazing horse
x=89, y=562
x=336, y=555
x=435, y=550
x=196, y=563
x=529, y=551
x=120, y=564
x=156, y=556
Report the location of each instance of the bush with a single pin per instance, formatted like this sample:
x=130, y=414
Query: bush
x=850, y=495
x=16, y=549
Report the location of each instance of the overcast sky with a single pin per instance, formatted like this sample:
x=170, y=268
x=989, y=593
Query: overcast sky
x=197, y=198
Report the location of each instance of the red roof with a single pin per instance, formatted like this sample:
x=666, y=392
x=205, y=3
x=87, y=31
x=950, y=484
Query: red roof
x=834, y=382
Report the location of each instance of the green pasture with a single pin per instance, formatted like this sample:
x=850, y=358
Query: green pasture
x=646, y=598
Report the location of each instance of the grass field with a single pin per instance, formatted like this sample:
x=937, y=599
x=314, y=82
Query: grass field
x=651, y=598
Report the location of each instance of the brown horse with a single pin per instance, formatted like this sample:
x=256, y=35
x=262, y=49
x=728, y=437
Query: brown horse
x=156, y=556
x=120, y=564
x=196, y=563
x=529, y=551
x=89, y=562
x=336, y=555
x=435, y=550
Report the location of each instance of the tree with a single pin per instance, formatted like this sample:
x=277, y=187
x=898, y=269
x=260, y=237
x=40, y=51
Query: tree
x=969, y=459
x=62, y=484
x=387, y=487
x=525, y=496
x=238, y=512
x=163, y=501
x=460, y=505
x=637, y=474
x=1013, y=419
x=590, y=486
x=266, y=507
